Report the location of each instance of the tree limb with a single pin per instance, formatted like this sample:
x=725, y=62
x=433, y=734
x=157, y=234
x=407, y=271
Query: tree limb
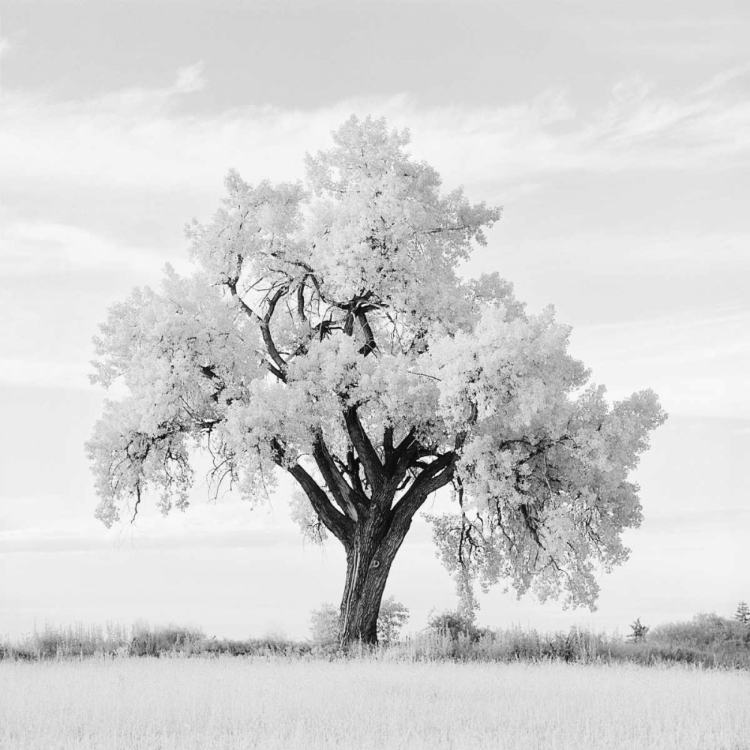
x=345, y=496
x=334, y=520
x=278, y=368
x=365, y=449
x=437, y=475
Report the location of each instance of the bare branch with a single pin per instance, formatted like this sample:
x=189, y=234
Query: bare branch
x=365, y=449
x=334, y=520
x=279, y=365
x=437, y=475
x=345, y=496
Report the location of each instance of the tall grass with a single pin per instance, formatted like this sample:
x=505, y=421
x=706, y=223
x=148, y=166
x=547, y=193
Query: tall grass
x=368, y=703
x=577, y=646
x=79, y=641
x=708, y=641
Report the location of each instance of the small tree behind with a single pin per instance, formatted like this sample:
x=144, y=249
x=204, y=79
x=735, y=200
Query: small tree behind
x=743, y=613
x=325, y=622
x=454, y=623
x=639, y=631
x=393, y=616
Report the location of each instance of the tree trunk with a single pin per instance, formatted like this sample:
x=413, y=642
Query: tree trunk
x=369, y=525
x=368, y=563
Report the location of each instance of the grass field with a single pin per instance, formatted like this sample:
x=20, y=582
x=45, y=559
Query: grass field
x=233, y=703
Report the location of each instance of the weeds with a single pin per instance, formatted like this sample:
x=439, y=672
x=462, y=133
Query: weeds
x=707, y=642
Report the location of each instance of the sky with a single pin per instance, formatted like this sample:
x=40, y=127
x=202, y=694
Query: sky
x=616, y=137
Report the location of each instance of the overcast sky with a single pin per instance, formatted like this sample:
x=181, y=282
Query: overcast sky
x=615, y=135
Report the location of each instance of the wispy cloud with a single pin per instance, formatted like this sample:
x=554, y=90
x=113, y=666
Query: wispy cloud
x=44, y=373
x=140, y=138
x=698, y=364
x=42, y=248
x=205, y=525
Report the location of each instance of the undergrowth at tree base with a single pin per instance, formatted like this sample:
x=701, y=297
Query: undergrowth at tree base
x=708, y=641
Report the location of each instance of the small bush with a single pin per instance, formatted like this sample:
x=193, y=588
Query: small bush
x=324, y=622
x=391, y=619
x=324, y=625
x=454, y=624
x=166, y=639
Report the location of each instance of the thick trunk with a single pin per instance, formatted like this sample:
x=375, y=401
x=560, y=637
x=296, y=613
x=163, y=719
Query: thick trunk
x=368, y=522
x=368, y=563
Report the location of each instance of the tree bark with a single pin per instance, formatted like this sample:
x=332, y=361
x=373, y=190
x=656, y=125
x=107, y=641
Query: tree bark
x=376, y=541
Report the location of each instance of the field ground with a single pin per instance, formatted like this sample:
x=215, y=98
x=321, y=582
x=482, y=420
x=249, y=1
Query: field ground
x=232, y=703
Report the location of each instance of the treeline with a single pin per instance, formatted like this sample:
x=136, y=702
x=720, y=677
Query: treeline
x=708, y=641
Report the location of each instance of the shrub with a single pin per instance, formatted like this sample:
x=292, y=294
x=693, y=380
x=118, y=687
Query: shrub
x=324, y=625
x=161, y=640
x=454, y=624
x=392, y=617
x=639, y=631
x=324, y=622
x=704, y=632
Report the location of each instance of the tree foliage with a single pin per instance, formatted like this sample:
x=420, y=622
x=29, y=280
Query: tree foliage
x=326, y=332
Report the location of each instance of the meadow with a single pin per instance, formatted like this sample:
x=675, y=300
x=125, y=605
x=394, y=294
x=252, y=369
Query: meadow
x=375, y=701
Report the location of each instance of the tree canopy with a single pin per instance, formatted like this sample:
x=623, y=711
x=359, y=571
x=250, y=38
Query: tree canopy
x=327, y=332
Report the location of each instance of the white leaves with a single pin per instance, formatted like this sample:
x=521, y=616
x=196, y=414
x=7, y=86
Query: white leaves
x=130, y=460
x=254, y=230
x=304, y=516
x=380, y=225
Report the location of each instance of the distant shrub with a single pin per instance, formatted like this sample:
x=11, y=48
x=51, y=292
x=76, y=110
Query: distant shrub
x=324, y=624
x=391, y=619
x=742, y=614
x=161, y=640
x=454, y=624
x=704, y=632
x=639, y=631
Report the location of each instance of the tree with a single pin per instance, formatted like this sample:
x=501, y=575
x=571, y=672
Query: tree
x=324, y=624
x=743, y=613
x=454, y=623
x=327, y=334
x=392, y=617
x=639, y=631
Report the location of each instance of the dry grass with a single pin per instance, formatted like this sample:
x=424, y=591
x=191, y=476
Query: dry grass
x=228, y=703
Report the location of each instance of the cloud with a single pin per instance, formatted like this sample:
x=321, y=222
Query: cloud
x=697, y=363
x=40, y=373
x=214, y=525
x=141, y=138
x=47, y=248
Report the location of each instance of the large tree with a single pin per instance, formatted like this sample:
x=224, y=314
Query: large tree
x=326, y=333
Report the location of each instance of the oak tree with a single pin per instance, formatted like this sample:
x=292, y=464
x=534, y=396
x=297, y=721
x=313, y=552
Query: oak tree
x=326, y=333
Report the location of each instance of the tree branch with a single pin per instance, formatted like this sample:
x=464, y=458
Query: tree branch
x=345, y=496
x=352, y=464
x=336, y=522
x=437, y=475
x=365, y=449
x=370, y=344
x=265, y=329
x=387, y=444
x=278, y=368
